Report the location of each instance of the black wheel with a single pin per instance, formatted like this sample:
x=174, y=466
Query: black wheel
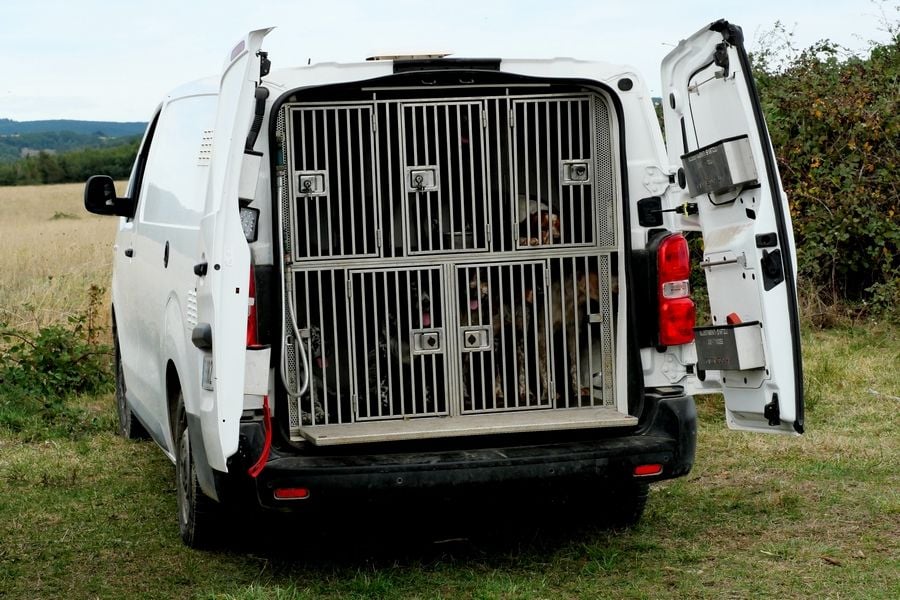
x=198, y=514
x=624, y=505
x=129, y=427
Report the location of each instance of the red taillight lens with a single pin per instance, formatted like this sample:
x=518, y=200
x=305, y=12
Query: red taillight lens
x=676, y=321
x=291, y=493
x=648, y=470
x=673, y=259
x=252, y=326
x=677, y=315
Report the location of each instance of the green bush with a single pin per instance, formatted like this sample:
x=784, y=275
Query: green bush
x=56, y=361
x=42, y=373
x=834, y=119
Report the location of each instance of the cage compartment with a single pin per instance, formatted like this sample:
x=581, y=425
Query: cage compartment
x=398, y=343
x=553, y=182
x=332, y=183
x=535, y=334
x=369, y=187
x=322, y=314
x=503, y=337
x=444, y=177
x=402, y=178
x=525, y=335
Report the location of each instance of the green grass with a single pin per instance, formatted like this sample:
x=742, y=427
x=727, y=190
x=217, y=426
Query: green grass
x=816, y=516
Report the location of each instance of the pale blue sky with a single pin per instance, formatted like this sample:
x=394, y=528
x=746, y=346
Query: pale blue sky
x=88, y=59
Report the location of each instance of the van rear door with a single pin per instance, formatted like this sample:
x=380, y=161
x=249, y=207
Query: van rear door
x=716, y=137
x=222, y=293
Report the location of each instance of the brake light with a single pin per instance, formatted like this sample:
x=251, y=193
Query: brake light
x=252, y=324
x=677, y=315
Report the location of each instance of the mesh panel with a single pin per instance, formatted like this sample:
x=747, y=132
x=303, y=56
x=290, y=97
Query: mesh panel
x=604, y=168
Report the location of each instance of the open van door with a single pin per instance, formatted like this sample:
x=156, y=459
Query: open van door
x=224, y=270
x=716, y=138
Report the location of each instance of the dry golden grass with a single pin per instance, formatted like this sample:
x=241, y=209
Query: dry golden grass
x=51, y=252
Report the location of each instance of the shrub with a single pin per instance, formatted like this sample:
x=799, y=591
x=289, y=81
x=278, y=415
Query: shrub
x=834, y=119
x=42, y=373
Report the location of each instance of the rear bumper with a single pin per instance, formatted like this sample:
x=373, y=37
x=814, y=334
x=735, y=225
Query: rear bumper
x=668, y=437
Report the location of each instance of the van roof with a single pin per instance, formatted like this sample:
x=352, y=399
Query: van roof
x=326, y=73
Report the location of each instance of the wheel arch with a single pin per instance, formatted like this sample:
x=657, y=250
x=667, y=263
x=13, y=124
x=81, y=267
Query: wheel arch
x=176, y=404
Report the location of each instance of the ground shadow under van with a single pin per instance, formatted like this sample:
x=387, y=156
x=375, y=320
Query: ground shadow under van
x=424, y=528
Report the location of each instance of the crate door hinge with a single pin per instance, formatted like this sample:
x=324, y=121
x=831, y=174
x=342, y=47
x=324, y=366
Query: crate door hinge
x=512, y=118
x=483, y=120
x=349, y=287
x=378, y=238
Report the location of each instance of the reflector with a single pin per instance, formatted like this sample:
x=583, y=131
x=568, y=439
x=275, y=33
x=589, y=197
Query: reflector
x=647, y=470
x=291, y=493
x=249, y=221
x=252, y=325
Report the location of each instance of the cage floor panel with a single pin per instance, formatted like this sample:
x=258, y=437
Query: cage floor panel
x=484, y=424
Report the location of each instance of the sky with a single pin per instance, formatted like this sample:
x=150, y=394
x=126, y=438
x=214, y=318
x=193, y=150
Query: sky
x=115, y=60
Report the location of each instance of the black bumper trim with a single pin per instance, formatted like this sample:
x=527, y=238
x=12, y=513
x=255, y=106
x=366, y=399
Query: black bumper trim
x=669, y=438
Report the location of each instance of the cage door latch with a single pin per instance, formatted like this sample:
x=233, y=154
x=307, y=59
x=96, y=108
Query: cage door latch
x=421, y=179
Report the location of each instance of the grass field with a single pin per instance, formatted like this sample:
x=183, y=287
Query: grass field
x=53, y=251
x=91, y=515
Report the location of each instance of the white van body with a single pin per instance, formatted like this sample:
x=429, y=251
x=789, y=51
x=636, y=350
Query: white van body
x=334, y=276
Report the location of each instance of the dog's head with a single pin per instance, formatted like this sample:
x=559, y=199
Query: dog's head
x=421, y=303
x=549, y=226
x=317, y=349
x=588, y=287
x=479, y=291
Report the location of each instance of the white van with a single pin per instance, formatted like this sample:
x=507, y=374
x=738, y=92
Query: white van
x=424, y=272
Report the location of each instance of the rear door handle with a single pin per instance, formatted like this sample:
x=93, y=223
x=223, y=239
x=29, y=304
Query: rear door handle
x=129, y=252
x=166, y=256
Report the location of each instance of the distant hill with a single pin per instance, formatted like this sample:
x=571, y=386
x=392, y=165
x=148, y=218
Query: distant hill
x=93, y=128
x=20, y=139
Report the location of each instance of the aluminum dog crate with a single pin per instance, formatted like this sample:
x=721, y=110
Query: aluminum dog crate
x=447, y=258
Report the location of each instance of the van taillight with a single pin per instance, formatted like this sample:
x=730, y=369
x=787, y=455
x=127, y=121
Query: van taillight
x=252, y=325
x=677, y=315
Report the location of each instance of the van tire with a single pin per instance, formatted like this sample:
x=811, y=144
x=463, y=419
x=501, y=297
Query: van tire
x=129, y=426
x=198, y=514
x=624, y=506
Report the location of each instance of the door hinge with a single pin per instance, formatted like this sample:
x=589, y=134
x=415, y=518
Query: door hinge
x=483, y=120
x=378, y=238
x=772, y=412
x=512, y=118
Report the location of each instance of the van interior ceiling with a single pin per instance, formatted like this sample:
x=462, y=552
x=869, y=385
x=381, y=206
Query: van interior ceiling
x=448, y=253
